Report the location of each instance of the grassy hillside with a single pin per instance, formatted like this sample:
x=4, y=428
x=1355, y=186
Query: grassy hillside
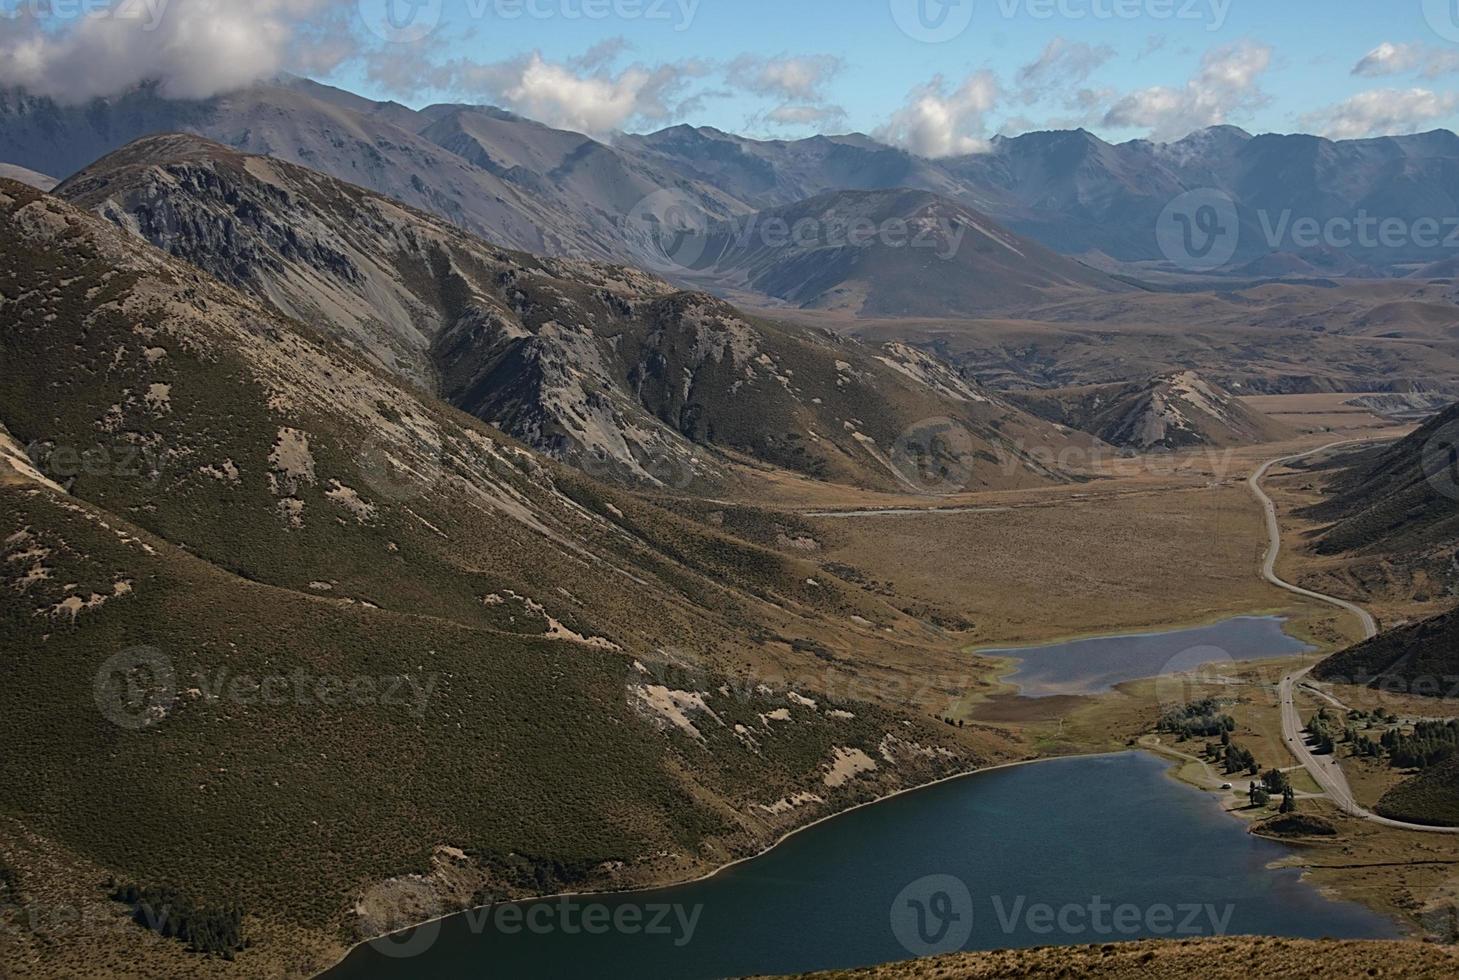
x=1421, y=658
x=1432, y=797
x=1218, y=959
x=1400, y=497
x=279, y=630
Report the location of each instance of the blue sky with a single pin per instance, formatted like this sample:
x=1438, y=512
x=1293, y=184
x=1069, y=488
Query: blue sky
x=1306, y=49
x=936, y=76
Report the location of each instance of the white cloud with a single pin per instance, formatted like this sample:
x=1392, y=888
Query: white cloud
x=190, y=48
x=1061, y=65
x=569, y=95
x=935, y=122
x=791, y=79
x=1229, y=82
x=1399, y=59
x=1383, y=112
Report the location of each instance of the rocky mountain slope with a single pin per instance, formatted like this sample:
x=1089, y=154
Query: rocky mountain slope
x=599, y=365
x=884, y=253
x=292, y=122
x=247, y=572
x=1171, y=412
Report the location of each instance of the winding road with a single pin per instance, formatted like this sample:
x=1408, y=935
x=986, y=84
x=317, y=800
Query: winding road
x=1327, y=772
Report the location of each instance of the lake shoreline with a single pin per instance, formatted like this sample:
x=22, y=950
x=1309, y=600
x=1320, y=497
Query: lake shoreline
x=1160, y=763
x=721, y=869
x=1172, y=769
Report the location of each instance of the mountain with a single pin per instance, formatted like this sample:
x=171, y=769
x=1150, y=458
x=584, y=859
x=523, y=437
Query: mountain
x=1170, y=412
x=598, y=365
x=1307, y=263
x=1076, y=194
x=24, y=176
x=1397, y=499
x=251, y=579
x=772, y=173
x=521, y=184
x=884, y=253
x=294, y=123
x=1420, y=658
x=597, y=182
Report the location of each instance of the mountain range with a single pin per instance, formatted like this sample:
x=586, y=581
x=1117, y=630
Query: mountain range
x=521, y=184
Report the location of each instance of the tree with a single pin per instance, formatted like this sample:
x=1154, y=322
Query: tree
x=1259, y=796
x=1289, y=800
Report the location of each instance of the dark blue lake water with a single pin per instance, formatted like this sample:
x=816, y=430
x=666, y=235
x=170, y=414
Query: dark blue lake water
x=1070, y=852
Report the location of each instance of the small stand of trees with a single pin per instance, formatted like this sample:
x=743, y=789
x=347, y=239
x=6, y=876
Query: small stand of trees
x=210, y=930
x=1431, y=743
x=1234, y=758
x=1323, y=728
x=1200, y=719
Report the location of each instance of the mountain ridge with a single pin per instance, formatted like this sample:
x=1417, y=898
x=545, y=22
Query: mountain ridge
x=1069, y=190
x=598, y=365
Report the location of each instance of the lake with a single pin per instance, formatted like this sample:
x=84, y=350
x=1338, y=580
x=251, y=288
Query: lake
x=1096, y=665
x=1069, y=852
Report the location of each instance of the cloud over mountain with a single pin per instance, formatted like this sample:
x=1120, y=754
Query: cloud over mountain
x=190, y=48
x=1229, y=80
x=1382, y=112
x=937, y=121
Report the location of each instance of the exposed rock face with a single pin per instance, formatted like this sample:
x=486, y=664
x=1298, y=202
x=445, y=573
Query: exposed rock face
x=599, y=365
x=1176, y=411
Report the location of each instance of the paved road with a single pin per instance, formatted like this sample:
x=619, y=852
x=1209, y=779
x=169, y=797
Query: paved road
x=1326, y=771
x=1274, y=538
